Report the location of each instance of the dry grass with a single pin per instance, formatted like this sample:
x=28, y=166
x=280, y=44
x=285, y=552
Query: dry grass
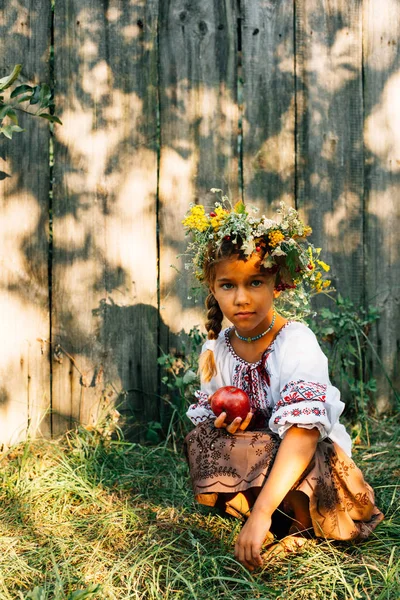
x=87, y=518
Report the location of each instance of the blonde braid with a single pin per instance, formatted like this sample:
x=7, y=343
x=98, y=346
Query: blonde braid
x=207, y=366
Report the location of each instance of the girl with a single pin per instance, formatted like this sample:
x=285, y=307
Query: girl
x=287, y=466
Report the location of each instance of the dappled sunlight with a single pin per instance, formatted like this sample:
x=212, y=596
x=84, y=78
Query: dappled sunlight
x=93, y=146
x=176, y=193
x=277, y=152
x=113, y=14
x=176, y=187
x=88, y=50
x=340, y=234
x=179, y=319
x=21, y=353
x=97, y=81
x=160, y=102
x=381, y=39
x=130, y=236
x=19, y=219
x=334, y=66
x=382, y=127
x=72, y=232
x=88, y=19
x=384, y=205
x=25, y=324
x=80, y=279
x=210, y=110
x=22, y=15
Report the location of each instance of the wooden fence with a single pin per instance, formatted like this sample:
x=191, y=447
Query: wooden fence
x=160, y=101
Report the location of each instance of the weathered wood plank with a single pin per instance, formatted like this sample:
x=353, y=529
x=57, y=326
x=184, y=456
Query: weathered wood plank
x=105, y=247
x=329, y=134
x=382, y=167
x=24, y=211
x=199, y=131
x=268, y=102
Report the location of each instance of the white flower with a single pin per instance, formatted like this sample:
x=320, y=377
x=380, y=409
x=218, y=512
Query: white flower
x=269, y=223
x=278, y=252
x=215, y=191
x=267, y=262
x=248, y=247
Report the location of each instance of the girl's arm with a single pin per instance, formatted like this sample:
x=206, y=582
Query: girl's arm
x=294, y=455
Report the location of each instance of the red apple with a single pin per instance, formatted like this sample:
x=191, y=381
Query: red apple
x=232, y=400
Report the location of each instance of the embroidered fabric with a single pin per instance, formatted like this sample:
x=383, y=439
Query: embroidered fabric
x=288, y=385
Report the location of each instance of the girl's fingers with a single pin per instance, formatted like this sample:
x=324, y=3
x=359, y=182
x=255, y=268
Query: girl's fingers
x=248, y=556
x=256, y=556
x=246, y=422
x=234, y=426
x=220, y=421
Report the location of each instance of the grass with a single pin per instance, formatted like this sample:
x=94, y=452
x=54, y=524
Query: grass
x=86, y=517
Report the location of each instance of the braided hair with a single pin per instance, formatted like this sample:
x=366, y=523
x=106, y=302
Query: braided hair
x=208, y=368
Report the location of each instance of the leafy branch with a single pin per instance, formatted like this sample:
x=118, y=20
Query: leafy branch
x=39, y=96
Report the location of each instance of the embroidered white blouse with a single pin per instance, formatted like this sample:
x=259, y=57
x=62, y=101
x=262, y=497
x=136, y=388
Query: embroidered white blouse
x=288, y=385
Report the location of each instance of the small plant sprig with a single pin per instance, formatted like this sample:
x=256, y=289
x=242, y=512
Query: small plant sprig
x=180, y=377
x=40, y=96
x=343, y=332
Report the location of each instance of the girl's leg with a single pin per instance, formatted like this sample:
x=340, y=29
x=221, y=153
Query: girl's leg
x=300, y=504
x=239, y=503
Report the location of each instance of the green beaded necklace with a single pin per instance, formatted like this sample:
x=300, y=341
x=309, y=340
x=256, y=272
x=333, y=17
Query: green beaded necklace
x=257, y=337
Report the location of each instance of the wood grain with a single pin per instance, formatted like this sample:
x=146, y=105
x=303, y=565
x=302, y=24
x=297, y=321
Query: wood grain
x=329, y=134
x=104, y=315
x=382, y=187
x=24, y=214
x=199, y=137
x=268, y=102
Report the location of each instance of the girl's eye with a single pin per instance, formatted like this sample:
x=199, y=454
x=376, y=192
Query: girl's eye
x=227, y=286
x=256, y=283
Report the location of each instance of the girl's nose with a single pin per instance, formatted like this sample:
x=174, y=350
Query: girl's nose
x=241, y=296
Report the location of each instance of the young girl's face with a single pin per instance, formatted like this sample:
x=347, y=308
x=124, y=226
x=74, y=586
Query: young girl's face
x=244, y=294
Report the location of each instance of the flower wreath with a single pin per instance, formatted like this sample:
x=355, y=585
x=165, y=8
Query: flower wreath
x=282, y=244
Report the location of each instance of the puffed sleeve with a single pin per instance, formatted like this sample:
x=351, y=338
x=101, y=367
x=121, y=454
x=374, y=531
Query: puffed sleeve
x=200, y=411
x=306, y=397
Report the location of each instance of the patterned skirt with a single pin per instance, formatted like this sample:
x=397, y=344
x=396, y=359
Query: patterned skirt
x=341, y=503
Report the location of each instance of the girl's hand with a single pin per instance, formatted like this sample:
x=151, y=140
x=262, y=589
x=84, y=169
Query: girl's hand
x=251, y=538
x=236, y=424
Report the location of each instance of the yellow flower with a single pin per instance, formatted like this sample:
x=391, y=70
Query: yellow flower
x=239, y=207
x=327, y=283
x=311, y=263
x=217, y=217
x=307, y=230
x=197, y=218
x=275, y=237
x=323, y=265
